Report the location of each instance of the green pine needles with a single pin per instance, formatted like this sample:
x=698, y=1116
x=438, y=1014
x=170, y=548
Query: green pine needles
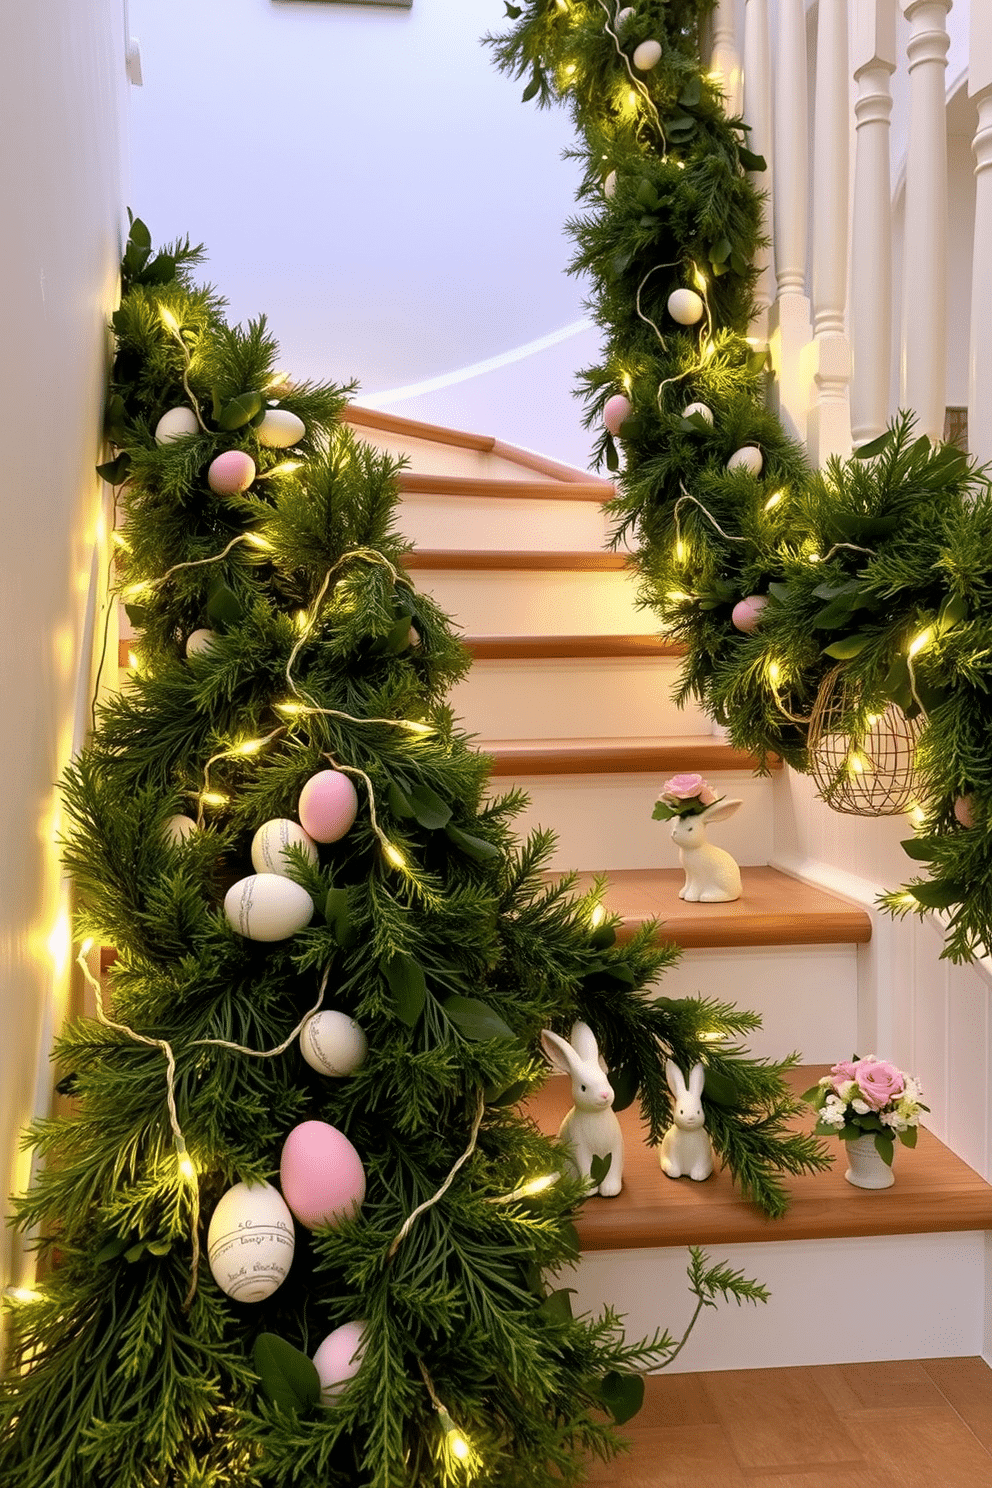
x=433, y=929
x=877, y=565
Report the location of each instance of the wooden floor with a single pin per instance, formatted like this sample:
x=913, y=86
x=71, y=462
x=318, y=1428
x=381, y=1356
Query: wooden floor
x=909, y=1424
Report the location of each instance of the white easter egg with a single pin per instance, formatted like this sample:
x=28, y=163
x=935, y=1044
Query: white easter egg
x=964, y=810
x=250, y=1242
x=267, y=855
x=200, y=641
x=333, y=1043
x=610, y=184
x=616, y=411
x=174, y=424
x=685, y=306
x=280, y=429
x=647, y=55
x=747, y=458
x=625, y=15
x=266, y=906
x=338, y=1359
x=700, y=410
x=175, y=829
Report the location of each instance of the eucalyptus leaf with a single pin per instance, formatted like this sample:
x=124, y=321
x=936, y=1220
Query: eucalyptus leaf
x=110, y=1251
x=599, y=1166
x=921, y=849
x=720, y=251
x=557, y=1306
x=287, y=1376
x=937, y=895
x=719, y=1088
x=692, y=93
x=848, y=647
x=875, y=446
x=603, y=937
x=337, y=913
x=114, y=472
x=513, y=11
x=475, y=847
x=240, y=410
x=408, y=985
x=429, y=809
x=622, y=1394
x=953, y=612
x=475, y=1019
x=533, y=87
x=510, y=1095
x=625, y=1084
x=224, y=608
x=750, y=161
x=399, y=803
x=612, y=454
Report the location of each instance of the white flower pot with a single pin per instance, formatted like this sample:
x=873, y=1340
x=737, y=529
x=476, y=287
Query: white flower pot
x=867, y=1169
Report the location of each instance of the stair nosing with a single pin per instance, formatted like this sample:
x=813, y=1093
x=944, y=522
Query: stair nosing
x=494, y=560
x=414, y=483
x=618, y=756
x=567, y=647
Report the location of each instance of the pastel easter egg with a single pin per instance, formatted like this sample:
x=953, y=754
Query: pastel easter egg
x=746, y=614
x=175, y=829
x=250, y=1241
x=271, y=840
x=333, y=1043
x=328, y=805
x=964, y=810
x=748, y=458
x=647, y=55
x=266, y=906
x=175, y=424
x=698, y=410
x=231, y=473
x=615, y=411
x=322, y=1177
x=280, y=429
x=686, y=306
x=625, y=15
x=199, y=642
x=610, y=184
x=338, y=1359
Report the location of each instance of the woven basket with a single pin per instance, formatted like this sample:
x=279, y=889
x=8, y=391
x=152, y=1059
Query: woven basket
x=870, y=771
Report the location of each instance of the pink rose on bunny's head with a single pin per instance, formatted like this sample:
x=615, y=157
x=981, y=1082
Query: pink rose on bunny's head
x=687, y=788
x=878, y=1081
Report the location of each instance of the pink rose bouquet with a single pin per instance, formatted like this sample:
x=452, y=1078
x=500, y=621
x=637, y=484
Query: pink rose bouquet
x=683, y=795
x=868, y=1096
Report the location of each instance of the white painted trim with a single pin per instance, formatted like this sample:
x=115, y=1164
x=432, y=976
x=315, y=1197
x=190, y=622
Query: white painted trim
x=476, y=369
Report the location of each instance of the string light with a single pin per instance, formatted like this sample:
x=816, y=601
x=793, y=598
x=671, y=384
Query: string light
x=285, y=467
x=774, y=673
x=680, y=550
x=597, y=916
x=774, y=500
x=22, y=1294
x=916, y=815
x=918, y=642
x=392, y=855
x=678, y=596
x=527, y=1190
x=858, y=762
x=120, y=541
x=186, y=1168
x=169, y=320
x=412, y=1218
x=172, y=326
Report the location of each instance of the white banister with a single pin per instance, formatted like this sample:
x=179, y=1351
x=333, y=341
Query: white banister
x=980, y=358
x=924, y=317
x=873, y=55
x=725, y=58
x=758, y=114
x=789, y=320
x=829, y=357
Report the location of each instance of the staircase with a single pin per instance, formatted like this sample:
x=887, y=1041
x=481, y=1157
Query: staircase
x=570, y=695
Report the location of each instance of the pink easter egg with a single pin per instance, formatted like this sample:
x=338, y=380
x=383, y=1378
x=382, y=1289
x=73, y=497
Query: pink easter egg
x=231, y=473
x=615, y=411
x=328, y=805
x=338, y=1359
x=963, y=810
x=321, y=1174
x=746, y=614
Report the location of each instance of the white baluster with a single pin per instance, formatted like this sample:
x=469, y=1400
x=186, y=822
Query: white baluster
x=758, y=114
x=924, y=317
x=724, y=55
x=829, y=357
x=873, y=53
x=789, y=320
x=980, y=361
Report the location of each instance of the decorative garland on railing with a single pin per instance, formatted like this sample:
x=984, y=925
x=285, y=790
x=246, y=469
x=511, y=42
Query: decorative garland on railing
x=842, y=618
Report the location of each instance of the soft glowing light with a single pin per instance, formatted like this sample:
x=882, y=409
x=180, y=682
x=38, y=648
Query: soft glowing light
x=872, y=719
x=413, y=727
x=132, y=661
x=916, y=815
x=708, y=350
x=597, y=916
x=59, y=942
x=774, y=673
x=813, y=557
x=562, y=5
x=715, y=75
x=918, y=642
x=679, y=551
x=258, y=541
x=186, y=1168
x=285, y=467
x=301, y=620
x=631, y=98
x=457, y=1444
x=133, y=590
x=169, y=320
x=907, y=901
x=858, y=763
x=87, y=946
x=214, y=798
x=700, y=278
x=711, y=1036
x=393, y=856
x=120, y=541
x=570, y=70
x=278, y=379
x=250, y=746
x=627, y=382
x=22, y=1294
x=680, y=164
x=678, y=596
x=774, y=500
x=538, y=1185
x=291, y=709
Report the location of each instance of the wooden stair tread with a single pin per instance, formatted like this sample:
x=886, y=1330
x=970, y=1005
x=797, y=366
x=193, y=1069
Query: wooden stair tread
x=934, y=1192
x=411, y=482
x=592, y=756
x=559, y=648
x=774, y=909
x=567, y=560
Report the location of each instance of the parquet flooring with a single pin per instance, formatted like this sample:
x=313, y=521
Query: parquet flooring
x=905, y=1424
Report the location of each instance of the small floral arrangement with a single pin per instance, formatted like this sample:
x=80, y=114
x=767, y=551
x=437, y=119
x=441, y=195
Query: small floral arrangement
x=684, y=795
x=865, y=1097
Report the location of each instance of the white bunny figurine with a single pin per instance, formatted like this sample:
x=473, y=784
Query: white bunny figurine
x=591, y=1128
x=686, y=1149
x=711, y=875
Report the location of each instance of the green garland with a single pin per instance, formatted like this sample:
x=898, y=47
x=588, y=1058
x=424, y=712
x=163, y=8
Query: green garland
x=880, y=565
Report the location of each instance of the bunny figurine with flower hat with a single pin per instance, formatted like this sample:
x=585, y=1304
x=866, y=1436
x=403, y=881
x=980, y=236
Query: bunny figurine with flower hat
x=711, y=874
x=591, y=1129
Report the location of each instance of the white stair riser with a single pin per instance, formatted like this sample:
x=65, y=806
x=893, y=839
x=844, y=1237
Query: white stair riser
x=575, y=698
x=427, y=458
x=503, y=524
x=807, y=995
x=604, y=821
x=833, y=1301
x=538, y=602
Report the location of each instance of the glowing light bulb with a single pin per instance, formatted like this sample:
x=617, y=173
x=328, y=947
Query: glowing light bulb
x=214, y=798
x=916, y=815
x=711, y=1036
x=277, y=380
x=132, y=661
x=679, y=551
x=87, y=946
x=285, y=467
x=918, y=642
x=120, y=541
x=631, y=98
x=412, y=727
x=907, y=901
x=393, y=856
x=538, y=1185
x=597, y=916
x=258, y=541
x=169, y=320
x=700, y=278
x=678, y=596
x=627, y=382
x=186, y=1168
x=570, y=70
x=301, y=620
x=457, y=1444
x=133, y=590
x=774, y=673
x=291, y=709
x=250, y=746
x=774, y=500
x=858, y=763
x=22, y=1294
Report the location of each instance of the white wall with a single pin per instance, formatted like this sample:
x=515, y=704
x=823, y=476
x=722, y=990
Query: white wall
x=61, y=88
x=366, y=178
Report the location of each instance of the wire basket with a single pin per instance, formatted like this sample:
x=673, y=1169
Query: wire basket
x=867, y=769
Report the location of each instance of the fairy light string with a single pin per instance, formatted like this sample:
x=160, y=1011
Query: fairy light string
x=641, y=87
x=175, y=331
x=412, y=1218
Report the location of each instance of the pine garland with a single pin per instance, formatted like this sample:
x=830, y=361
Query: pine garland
x=879, y=563
x=438, y=932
